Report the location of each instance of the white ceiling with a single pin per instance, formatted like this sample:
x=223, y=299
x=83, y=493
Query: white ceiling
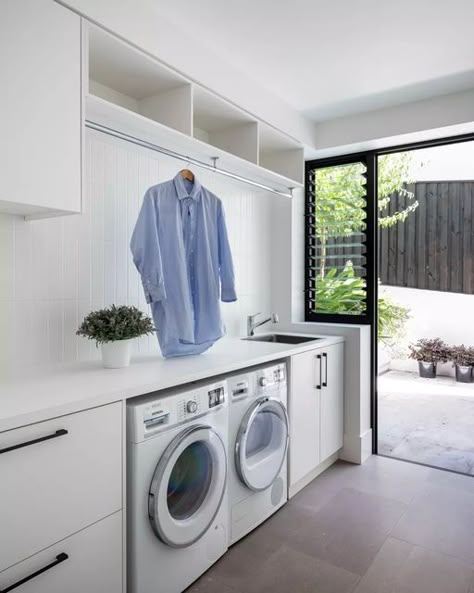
x=338, y=57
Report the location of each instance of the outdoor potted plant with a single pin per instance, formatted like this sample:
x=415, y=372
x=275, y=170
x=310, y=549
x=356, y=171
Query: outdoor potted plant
x=462, y=358
x=114, y=329
x=428, y=353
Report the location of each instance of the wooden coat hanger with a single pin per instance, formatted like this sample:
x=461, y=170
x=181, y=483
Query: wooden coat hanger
x=187, y=174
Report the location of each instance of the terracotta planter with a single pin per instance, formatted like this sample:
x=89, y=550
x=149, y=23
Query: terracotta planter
x=427, y=370
x=463, y=374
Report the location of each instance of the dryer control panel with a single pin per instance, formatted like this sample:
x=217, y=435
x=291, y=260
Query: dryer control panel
x=272, y=377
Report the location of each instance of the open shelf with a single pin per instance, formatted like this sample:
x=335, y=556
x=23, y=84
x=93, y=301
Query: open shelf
x=133, y=93
x=124, y=120
x=219, y=123
x=280, y=153
x=127, y=77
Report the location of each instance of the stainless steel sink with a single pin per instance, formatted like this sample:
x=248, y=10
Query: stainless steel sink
x=282, y=339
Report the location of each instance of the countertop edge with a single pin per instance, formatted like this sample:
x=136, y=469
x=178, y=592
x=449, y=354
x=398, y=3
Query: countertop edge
x=115, y=394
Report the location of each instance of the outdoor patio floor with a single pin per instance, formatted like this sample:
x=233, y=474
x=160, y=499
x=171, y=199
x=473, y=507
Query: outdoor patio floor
x=429, y=421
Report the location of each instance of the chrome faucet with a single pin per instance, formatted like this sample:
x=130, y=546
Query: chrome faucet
x=252, y=324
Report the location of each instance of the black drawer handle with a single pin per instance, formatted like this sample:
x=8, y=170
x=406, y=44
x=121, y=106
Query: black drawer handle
x=58, y=433
x=318, y=356
x=59, y=558
x=325, y=356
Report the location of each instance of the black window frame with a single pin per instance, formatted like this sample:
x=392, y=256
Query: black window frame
x=369, y=158
x=371, y=316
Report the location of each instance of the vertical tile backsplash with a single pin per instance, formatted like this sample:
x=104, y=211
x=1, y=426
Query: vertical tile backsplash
x=54, y=271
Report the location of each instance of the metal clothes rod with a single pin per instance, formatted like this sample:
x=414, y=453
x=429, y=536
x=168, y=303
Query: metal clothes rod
x=176, y=155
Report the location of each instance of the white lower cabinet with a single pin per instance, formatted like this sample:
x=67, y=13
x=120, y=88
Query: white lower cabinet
x=57, y=478
x=89, y=561
x=332, y=401
x=316, y=411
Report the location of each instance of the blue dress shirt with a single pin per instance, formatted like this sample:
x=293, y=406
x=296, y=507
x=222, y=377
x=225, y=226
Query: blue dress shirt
x=181, y=250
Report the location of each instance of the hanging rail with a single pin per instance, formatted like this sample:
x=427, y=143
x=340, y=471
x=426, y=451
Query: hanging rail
x=176, y=155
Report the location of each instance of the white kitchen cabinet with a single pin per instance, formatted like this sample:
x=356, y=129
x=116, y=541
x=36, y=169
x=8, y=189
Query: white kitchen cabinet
x=89, y=561
x=304, y=414
x=316, y=411
x=332, y=401
x=40, y=108
x=58, y=477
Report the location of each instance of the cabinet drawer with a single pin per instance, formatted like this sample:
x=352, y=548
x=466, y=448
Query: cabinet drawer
x=58, y=477
x=88, y=561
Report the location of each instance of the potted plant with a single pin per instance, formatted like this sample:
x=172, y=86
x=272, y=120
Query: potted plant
x=462, y=358
x=428, y=353
x=114, y=328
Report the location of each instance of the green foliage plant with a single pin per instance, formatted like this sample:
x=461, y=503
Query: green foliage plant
x=461, y=355
x=115, y=323
x=429, y=350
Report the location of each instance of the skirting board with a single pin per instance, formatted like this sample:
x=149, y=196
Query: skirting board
x=300, y=484
x=357, y=448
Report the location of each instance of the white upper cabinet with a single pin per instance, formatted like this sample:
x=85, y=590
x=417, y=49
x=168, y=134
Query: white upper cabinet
x=40, y=108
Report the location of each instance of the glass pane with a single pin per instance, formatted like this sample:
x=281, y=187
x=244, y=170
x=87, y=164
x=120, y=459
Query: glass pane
x=265, y=433
x=189, y=481
x=337, y=246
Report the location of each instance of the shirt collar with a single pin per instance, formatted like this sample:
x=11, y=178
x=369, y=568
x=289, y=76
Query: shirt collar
x=182, y=191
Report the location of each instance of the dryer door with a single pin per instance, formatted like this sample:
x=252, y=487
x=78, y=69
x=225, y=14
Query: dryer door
x=188, y=486
x=261, y=444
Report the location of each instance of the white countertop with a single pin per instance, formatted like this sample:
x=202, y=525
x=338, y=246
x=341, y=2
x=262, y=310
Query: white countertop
x=56, y=391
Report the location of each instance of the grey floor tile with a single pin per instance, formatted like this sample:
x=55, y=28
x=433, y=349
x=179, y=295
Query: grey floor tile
x=291, y=571
x=276, y=530
x=401, y=567
x=349, y=531
x=385, y=477
x=451, y=480
x=440, y=519
x=390, y=478
x=209, y=584
x=239, y=567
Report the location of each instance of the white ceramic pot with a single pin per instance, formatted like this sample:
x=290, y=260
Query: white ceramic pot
x=116, y=355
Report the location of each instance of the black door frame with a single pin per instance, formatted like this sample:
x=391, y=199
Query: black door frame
x=371, y=159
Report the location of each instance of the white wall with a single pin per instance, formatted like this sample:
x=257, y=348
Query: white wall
x=54, y=271
x=447, y=115
x=433, y=314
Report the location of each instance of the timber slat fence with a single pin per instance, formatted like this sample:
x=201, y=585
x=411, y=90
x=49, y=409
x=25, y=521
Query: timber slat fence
x=433, y=248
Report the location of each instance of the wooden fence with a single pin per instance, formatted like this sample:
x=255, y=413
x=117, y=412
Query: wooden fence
x=433, y=248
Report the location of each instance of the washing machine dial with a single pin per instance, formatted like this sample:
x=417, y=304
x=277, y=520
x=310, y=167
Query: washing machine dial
x=191, y=406
x=262, y=381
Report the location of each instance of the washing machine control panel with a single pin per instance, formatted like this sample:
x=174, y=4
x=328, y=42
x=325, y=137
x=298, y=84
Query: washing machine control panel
x=153, y=415
x=190, y=405
x=216, y=396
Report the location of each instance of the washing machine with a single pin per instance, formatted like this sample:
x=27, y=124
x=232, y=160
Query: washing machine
x=177, y=511
x=258, y=445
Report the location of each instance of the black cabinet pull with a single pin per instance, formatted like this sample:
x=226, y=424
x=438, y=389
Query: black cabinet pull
x=318, y=356
x=58, y=433
x=325, y=356
x=59, y=558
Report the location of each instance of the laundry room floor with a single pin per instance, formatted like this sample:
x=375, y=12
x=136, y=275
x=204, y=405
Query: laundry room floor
x=384, y=527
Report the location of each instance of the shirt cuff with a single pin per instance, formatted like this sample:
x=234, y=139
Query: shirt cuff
x=153, y=292
x=228, y=296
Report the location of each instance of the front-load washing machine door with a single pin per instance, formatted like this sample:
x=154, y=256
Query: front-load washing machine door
x=188, y=486
x=261, y=444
